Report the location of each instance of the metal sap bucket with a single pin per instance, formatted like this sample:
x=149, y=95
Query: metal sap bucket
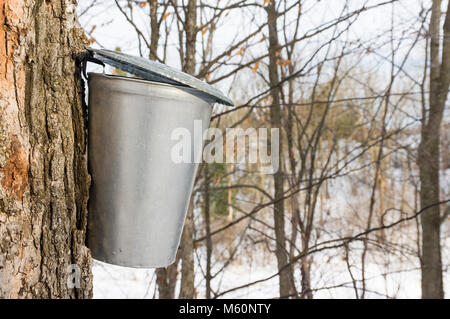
x=139, y=196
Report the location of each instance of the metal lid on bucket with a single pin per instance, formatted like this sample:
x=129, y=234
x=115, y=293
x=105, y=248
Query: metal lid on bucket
x=155, y=71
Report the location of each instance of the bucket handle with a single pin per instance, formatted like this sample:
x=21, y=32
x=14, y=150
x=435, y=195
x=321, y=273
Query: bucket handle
x=84, y=58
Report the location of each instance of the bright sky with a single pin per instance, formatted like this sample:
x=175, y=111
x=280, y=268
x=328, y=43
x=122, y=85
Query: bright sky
x=112, y=30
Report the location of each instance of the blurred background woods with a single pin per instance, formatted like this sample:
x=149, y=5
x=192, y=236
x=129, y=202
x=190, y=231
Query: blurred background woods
x=360, y=205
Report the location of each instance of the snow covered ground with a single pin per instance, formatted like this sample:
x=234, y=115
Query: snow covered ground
x=121, y=282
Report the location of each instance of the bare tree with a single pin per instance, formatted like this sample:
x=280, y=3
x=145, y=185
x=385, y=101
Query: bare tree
x=429, y=159
x=287, y=284
x=346, y=109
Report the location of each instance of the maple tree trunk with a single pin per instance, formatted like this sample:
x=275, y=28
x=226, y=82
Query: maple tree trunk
x=44, y=182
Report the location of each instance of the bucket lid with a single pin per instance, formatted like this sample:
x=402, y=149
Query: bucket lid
x=155, y=71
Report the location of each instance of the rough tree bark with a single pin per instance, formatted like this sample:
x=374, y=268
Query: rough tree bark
x=431, y=260
x=44, y=180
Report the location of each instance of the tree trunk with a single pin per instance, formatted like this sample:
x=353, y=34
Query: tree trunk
x=187, y=240
x=209, y=243
x=154, y=36
x=286, y=276
x=43, y=164
x=305, y=270
x=167, y=279
x=187, y=256
x=431, y=260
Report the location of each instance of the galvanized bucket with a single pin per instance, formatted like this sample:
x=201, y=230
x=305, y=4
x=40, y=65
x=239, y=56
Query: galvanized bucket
x=139, y=195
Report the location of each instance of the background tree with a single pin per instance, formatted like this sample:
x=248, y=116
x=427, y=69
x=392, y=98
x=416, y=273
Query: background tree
x=287, y=284
x=348, y=79
x=429, y=154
